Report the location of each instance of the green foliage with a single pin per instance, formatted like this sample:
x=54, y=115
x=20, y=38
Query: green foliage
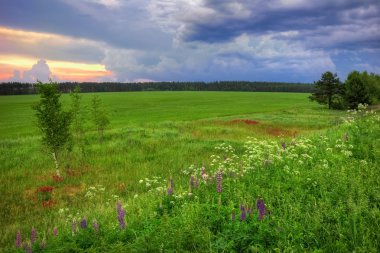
x=99, y=115
x=53, y=122
x=328, y=91
x=374, y=82
x=321, y=195
x=321, y=191
x=357, y=89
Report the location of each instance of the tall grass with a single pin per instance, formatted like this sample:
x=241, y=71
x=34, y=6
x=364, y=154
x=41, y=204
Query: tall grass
x=320, y=193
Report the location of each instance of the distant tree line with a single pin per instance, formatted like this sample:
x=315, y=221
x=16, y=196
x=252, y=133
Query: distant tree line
x=359, y=88
x=16, y=88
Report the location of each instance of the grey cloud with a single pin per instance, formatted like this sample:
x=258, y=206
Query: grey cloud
x=229, y=19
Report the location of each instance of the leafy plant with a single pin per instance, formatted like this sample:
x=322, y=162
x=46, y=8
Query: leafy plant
x=52, y=121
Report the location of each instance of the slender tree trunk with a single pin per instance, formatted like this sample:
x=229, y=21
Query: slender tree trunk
x=56, y=163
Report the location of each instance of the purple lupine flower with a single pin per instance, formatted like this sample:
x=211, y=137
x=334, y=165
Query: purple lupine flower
x=196, y=183
x=55, y=231
x=261, y=207
x=233, y=215
x=219, y=181
x=43, y=244
x=18, y=239
x=83, y=223
x=243, y=216
x=120, y=215
x=33, y=236
x=283, y=145
x=95, y=225
x=74, y=227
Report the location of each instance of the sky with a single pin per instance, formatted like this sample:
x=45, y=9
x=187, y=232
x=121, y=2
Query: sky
x=187, y=40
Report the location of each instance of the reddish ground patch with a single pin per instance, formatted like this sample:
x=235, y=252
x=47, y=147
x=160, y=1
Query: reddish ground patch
x=281, y=132
x=246, y=121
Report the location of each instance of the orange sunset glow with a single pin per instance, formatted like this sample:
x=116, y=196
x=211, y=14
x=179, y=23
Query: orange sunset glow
x=60, y=69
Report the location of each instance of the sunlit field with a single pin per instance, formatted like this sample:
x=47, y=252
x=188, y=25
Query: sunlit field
x=194, y=171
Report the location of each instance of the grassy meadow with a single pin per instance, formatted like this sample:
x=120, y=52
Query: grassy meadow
x=178, y=169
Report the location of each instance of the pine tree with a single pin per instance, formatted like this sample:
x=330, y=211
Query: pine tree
x=327, y=89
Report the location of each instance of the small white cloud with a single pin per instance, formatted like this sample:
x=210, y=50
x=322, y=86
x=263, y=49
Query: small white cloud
x=39, y=72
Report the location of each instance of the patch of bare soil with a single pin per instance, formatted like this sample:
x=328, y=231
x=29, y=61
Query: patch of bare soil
x=246, y=121
x=275, y=131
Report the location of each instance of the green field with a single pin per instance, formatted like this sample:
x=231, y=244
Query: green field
x=328, y=202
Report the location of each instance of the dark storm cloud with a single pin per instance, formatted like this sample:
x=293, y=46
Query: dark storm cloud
x=321, y=21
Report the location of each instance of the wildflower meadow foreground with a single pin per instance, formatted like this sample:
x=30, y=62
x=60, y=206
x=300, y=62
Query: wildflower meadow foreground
x=304, y=194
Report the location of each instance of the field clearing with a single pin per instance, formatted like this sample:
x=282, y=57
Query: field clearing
x=145, y=108
x=151, y=134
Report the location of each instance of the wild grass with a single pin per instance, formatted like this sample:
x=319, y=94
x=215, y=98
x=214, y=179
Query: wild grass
x=321, y=193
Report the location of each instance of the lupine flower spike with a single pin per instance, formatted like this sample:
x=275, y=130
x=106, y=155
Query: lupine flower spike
x=243, y=216
x=261, y=207
x=33, y=236
x=120, y=215
x=219, y=181
x=18, y=239
x=83, y=223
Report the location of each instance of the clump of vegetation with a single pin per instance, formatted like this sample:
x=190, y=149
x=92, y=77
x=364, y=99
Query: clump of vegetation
x=359, y=88
x=52, y=121
x=303, y=194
